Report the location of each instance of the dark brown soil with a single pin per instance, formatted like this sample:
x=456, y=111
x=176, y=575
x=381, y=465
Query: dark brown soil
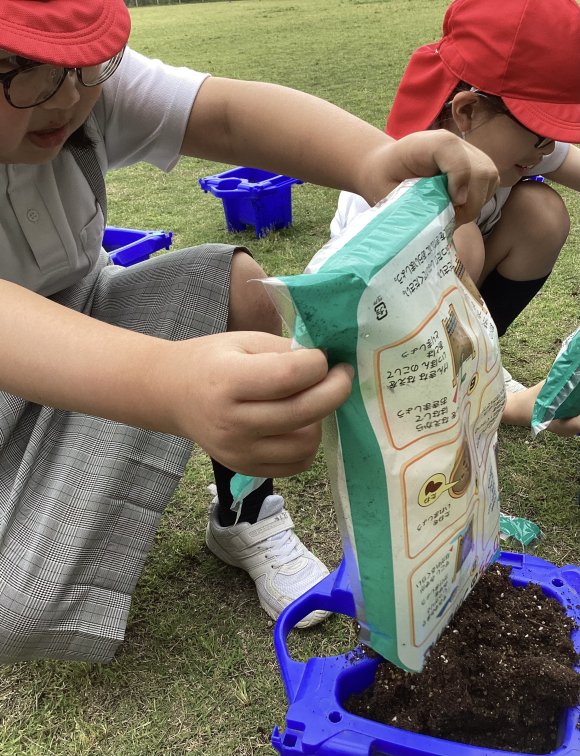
x=498, y=677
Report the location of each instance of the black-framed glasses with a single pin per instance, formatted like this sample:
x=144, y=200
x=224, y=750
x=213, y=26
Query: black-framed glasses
x=33, y=83
x=541, y=141
x=502, y=109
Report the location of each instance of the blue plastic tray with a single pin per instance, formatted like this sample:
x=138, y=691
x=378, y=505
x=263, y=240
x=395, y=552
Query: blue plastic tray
x=317, y=724
x=128, y=246
x=252, y=197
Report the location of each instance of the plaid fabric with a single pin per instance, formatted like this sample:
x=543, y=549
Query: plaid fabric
x=81, y=497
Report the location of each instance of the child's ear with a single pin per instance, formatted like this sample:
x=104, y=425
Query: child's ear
x=465, y=107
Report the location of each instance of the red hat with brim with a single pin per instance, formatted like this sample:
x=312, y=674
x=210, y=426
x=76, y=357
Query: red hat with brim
x=525, y=51
x=71, y=33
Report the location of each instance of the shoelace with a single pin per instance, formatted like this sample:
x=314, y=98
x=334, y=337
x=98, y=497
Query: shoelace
x=285, y=547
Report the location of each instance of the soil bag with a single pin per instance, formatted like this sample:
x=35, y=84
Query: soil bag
x=559, y=397
x=412, y=452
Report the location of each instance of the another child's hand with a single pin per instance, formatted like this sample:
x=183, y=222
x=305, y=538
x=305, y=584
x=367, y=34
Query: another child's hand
x=251, y=402
x=473, y=177
x=566, y=427
x=520, y=408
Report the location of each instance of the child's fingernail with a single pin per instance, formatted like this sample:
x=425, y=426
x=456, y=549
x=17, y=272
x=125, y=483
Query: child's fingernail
x=462, y=195
x=349, y=369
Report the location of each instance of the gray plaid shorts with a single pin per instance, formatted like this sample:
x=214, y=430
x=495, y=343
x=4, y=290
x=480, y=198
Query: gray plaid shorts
x=81, y=497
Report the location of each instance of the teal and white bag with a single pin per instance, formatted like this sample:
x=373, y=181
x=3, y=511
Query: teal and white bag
x=412, y=452
x=559, y=397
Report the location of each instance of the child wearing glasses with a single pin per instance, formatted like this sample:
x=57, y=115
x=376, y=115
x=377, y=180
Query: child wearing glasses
x=108, y=375
x=505, y=77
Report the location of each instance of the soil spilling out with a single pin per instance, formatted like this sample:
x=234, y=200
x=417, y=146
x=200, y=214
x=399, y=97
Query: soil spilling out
x=499, y=677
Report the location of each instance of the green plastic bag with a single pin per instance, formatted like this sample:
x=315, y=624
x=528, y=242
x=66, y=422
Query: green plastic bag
x=524, y=531
x=411, y=453
x=560, y=395
x=240, y=487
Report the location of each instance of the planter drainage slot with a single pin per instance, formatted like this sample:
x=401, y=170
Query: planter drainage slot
x=316, y=689
x=252, y=197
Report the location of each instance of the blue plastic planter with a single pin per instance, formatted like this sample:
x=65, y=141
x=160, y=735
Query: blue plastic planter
x=253, y=198
x=128, y=246
x=317, y=724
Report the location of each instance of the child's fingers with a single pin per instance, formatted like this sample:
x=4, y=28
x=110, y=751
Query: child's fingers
x=300, y=410
x=271, y=376
x=275, y=456
x=295, y=448
x=268, y=470
x=265, y=368
x=472, y=177
x=565, y=427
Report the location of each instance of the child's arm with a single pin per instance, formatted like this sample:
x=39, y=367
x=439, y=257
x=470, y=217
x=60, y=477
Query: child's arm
x=289, y=132
x=568, y=174
x=245, y=397
x=520, y=407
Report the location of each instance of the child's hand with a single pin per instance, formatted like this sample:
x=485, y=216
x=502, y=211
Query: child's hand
x=249, y=401
x=245, y=397
x=473, y=177
x=566, y=427
x=519, y=409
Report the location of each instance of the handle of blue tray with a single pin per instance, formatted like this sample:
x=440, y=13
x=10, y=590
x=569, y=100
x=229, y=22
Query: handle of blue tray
x=331, y=594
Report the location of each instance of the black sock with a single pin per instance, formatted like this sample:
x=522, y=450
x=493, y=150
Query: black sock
x=252, y=503
x=506, y=298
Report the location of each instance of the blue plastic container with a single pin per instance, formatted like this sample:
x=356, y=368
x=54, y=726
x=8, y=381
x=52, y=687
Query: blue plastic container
x=252, y=197
x=317, y=724
x=128, y=246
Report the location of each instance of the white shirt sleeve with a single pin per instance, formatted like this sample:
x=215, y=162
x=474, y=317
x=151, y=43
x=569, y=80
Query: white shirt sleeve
x=552, y=161
x=349, y=206
x=143, y=111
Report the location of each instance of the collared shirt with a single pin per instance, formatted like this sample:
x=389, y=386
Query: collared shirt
x=51, y=226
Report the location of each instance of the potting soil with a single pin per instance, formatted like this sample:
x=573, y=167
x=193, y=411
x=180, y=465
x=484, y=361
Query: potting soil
x=498, y=677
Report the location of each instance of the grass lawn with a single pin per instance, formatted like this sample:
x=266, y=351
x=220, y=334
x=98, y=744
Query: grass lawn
x=197, y=672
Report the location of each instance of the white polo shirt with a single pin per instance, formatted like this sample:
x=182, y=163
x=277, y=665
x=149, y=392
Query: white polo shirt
x=51, y=227
x=350, y=205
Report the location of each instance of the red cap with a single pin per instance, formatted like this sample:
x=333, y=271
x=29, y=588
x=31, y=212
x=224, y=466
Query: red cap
x=525, y=51
x=73, y=33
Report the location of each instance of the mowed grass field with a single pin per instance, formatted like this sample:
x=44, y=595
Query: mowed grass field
x=197, y=672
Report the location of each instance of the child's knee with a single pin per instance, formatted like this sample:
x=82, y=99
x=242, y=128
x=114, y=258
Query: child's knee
x=250, y=307
x=544, y=215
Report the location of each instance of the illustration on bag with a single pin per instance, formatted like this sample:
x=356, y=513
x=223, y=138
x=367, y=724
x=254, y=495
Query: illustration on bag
x=460, y=344
x=458, y=483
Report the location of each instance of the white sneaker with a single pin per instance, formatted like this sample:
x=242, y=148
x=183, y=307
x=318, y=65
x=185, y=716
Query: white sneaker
x=511, y=386
x=270, y=552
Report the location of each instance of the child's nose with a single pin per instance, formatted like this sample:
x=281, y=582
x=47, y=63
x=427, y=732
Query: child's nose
x=66, y=96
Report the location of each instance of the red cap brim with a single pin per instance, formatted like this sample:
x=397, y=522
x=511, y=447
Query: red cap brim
x=71, y=33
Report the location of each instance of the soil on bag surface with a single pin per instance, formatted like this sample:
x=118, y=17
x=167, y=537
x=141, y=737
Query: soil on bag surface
x=498, y=677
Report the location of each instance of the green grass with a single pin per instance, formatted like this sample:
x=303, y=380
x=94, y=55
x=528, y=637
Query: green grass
x=197, y=672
